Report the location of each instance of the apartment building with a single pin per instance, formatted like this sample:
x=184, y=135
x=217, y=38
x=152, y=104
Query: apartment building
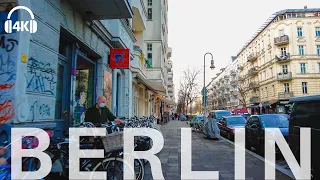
x=282, y=60
x=223, y=89
x=157, y=52
x=171, y=91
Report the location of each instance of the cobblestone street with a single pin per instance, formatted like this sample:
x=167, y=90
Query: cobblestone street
x=207, y=155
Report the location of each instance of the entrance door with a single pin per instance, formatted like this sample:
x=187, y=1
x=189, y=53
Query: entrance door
x=62, y=109
x=84, y=90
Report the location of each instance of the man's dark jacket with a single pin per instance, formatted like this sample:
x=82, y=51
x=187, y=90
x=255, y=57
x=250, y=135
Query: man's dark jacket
x=93, y=115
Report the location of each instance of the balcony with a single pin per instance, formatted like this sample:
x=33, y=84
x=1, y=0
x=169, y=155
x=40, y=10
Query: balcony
x=226, y=77
x=140, y=15
x=252, y=57
x=285, y=95
x=240, y=67
x=106, y=9
x=139, y=64
x=284, y=77
x=233, y=82
x=282, y=40
x=233, y=73
x=253, y=71
x=283, y=58
x=255, y=100
x=253, y=85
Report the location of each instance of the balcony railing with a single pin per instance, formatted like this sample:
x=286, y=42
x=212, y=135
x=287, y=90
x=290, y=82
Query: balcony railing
x=283, y=58
x=253, y=71
x=253, y=56
x=255, y=99
x=284, y=76
x=285, y=95
x=282, y=40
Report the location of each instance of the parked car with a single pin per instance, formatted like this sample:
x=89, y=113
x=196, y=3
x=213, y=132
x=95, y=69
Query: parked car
x=217, y=114
x=197, y=121
x=305, y=112
x=256, y=125
x=227, y=124
x=246, y=115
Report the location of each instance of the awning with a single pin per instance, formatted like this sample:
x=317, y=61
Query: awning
x=168, y=101
x=155, y=86
x=243, y=110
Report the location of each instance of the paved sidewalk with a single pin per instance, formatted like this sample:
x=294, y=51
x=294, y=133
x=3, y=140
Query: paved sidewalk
x=207, y=155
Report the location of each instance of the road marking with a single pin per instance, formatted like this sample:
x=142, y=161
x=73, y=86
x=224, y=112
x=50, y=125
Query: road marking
x=279, y=168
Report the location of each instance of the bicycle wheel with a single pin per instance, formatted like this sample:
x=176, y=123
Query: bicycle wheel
x=114, y=168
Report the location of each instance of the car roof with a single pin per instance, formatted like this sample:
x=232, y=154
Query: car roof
x=220, y=111
x=261, y=115
x=305, y=98
x=231, y=116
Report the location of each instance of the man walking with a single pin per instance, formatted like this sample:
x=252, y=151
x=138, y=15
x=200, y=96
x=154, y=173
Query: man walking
x=100, y=114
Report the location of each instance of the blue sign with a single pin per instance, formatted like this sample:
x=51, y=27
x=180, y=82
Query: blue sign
x=3, y=19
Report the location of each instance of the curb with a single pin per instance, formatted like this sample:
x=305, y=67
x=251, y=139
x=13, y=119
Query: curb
x=279, y=168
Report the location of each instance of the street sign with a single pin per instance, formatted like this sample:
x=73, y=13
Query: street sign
x=204, y=92
x=205, y=100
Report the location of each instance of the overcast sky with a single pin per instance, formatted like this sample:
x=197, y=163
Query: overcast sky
x=219, y=27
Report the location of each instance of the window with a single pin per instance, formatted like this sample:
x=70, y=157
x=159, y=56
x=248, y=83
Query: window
x=303, y=67
x=273, y=90
x=149, y=47
x=149, y=13
x=149, y=58
x=318, y=31
x=301, y=50
x=285, y=69
x=149, y=2
x=304, y=87
x=271, y=72
x=319, y=66
x=281, y=32
x=286, y=87
x=318, y=49
x=283, y=52
x=299, y=32
x=266, y=92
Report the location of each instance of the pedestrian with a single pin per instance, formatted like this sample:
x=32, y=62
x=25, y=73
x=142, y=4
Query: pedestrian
x=178, y=117
x=100, y=114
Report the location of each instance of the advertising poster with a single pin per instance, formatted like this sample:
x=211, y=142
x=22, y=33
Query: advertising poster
x=108, y=87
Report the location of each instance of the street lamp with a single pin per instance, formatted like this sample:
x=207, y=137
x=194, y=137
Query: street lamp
x=204, y=80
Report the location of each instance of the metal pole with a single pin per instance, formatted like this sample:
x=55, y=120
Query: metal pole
x=204, y=84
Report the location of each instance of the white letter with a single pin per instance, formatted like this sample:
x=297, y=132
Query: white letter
x=17, y=153
x=240, y=153
x=186, y=168
x=75, y=153
x=273, y=135
x=130, y=154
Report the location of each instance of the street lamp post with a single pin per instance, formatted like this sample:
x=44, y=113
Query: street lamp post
x=204, y=81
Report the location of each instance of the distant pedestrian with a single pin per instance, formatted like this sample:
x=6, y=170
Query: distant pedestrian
x=178, y=117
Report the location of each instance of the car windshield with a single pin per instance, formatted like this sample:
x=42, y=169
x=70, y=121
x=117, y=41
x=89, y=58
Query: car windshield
x=236, y=120
x=274, y=121
x=223, y=113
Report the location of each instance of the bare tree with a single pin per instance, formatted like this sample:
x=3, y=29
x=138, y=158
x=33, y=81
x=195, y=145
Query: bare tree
x=189, y=90
x=245, y=86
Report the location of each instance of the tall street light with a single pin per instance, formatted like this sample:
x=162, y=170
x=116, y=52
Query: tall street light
x=204, y=81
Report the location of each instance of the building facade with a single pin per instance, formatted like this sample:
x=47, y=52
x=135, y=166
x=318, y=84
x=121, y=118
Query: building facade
x=171, y=87
x=223, y=89
x=157, y=54
x=282, y=60
x=49, y=78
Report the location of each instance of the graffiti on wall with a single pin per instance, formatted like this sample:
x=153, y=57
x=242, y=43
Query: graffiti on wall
x=40, y=108
x=7, y=76
x=41, y=77
x=107, y=87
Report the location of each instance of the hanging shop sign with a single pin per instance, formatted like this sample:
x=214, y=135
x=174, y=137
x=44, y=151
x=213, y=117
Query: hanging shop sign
x=119, y=58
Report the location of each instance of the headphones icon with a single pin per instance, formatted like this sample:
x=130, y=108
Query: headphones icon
x=32, y=22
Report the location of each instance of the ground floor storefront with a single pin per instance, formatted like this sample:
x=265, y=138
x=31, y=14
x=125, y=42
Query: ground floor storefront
x=280, y=106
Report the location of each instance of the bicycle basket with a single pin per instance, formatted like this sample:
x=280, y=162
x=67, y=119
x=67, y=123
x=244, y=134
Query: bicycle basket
x=112, y=142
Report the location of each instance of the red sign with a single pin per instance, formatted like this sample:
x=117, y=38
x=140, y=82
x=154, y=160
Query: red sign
x=119, y=58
